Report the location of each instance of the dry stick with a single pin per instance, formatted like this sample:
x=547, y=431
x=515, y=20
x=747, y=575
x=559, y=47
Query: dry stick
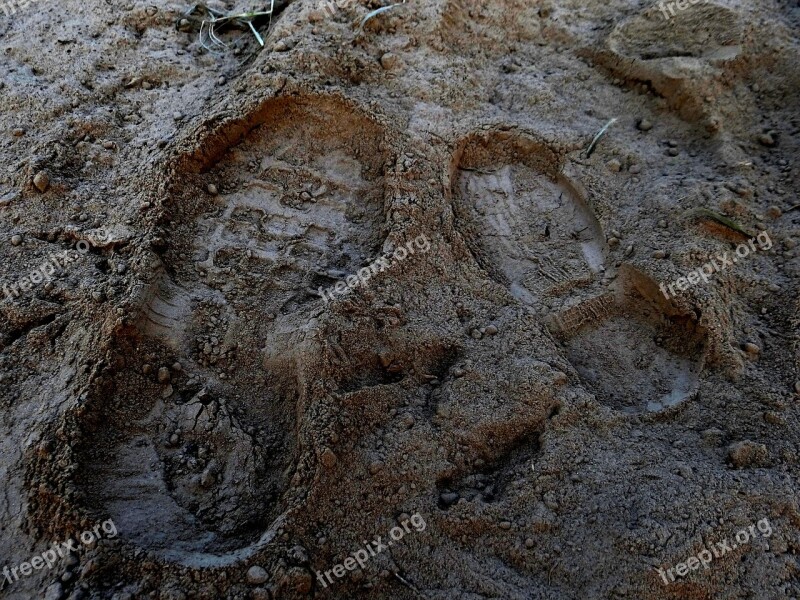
x=376, y=12
x=600, y=134
x=410, y=586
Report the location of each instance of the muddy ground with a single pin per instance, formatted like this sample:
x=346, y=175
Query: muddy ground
x=370, y=281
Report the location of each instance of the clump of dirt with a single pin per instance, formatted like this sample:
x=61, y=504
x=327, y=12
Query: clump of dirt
x=556, y=424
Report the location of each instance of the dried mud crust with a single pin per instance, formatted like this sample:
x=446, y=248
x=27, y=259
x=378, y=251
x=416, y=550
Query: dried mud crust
x=193, y=461
x=685, y=59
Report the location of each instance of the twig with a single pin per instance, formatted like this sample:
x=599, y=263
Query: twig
x=409, y=586
x=377, y=12
x=600, y=134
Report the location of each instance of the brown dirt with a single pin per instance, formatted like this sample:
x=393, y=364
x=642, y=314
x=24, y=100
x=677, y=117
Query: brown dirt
x=521, y=383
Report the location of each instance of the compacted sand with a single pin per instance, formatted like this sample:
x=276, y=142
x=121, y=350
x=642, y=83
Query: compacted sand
x=359, y=315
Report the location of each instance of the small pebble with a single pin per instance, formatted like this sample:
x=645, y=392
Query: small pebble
x=18, y=132
x=766, y=139
x=635, y=169
x=328, y=458
x=673, y=152
x=748, y=454
x=257, y=575
x=797, y=386
x=645, y=125
x=390, y=61
x=659, y=254
x=108, y=145
x=751, y=348
x=147, y=369
x=774, y=212
x=16, y=240
x=212, y=189
x=449, y=498
x=163, y=375
x=491, y=330
x=42, y=181
x=529, y=542
x=614, y=165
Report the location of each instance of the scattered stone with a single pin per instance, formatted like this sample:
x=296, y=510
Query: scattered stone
x=635, y=169
x=713, y=437
x=18, y=132
x=645, y=125
x=774, y=212
x=167, y=392
x=163, y=375
x=797, y=387
x=659, y=254
x=752, y=349
x=212, y=189
x=748, y=454
x=449, y=498
x=774, y=418
x=529, y=542
x=390, y=61
x=505, y=525
x=147, y=369
x=174, y=439
x=16, y=240
x=280, y=46
x=673, y=152
x=614, y=165
x=42, y=181
x=328, y=458
x=766, y=139
x=491, y=330
x=257, y=575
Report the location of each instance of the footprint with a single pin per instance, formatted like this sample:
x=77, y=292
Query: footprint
x=631, y=349
x=531, y=229
x=524, y=221
x=679, y=57
x=194, y=462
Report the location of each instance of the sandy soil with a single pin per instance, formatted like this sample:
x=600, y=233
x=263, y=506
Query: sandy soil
x=367, y=281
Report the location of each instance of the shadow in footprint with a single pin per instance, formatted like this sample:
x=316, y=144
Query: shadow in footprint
x=631, y=348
